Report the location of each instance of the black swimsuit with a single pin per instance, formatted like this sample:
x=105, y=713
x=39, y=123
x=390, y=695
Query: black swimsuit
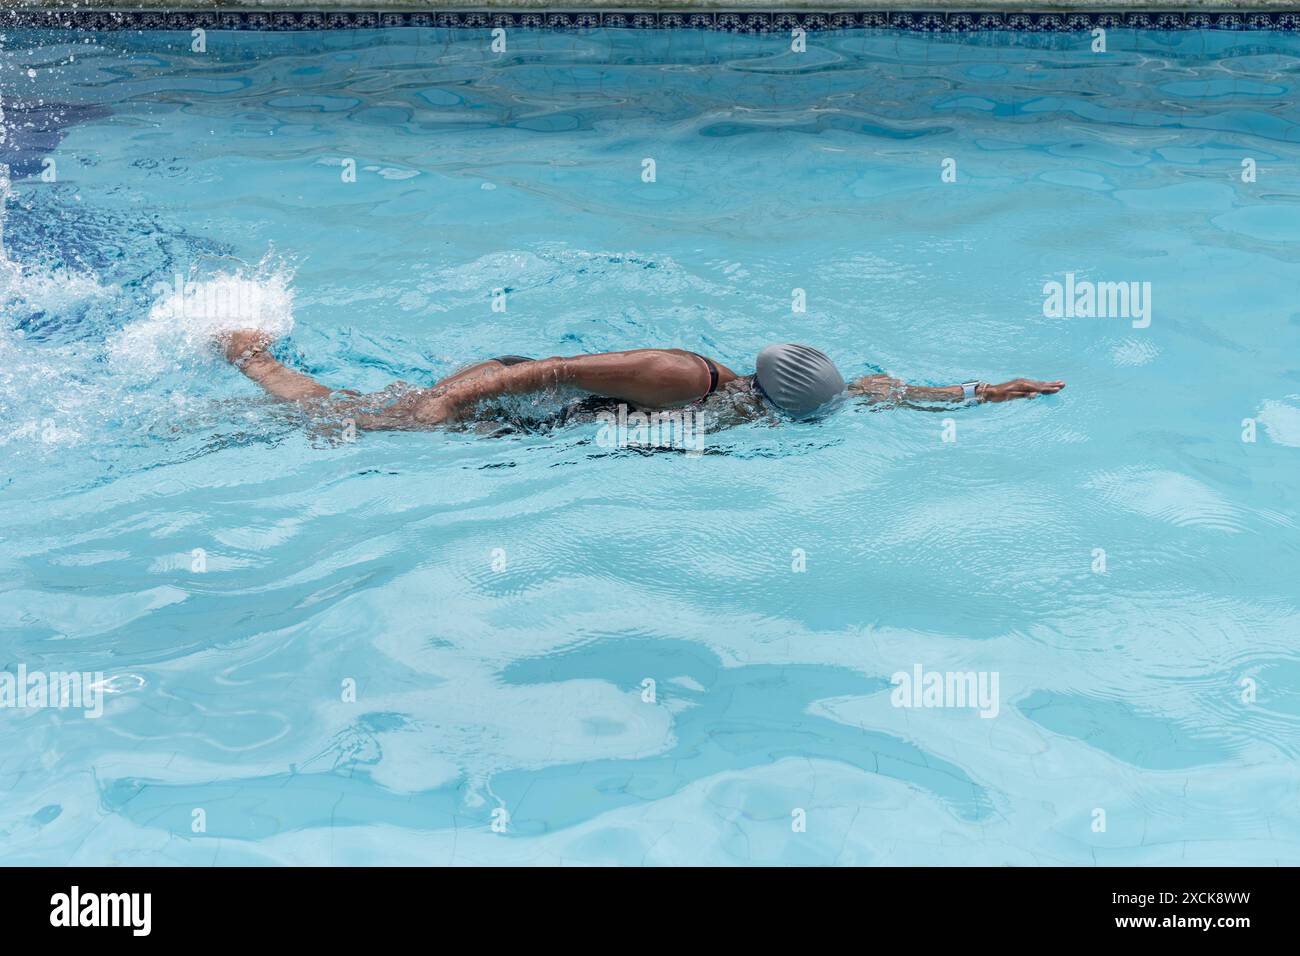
x=713, y=374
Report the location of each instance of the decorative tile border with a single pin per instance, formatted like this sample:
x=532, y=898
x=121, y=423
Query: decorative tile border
x=728, y=22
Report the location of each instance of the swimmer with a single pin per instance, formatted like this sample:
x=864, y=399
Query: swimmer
x=795, y=380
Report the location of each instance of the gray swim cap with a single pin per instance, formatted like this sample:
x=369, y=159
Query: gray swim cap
x=797, y=379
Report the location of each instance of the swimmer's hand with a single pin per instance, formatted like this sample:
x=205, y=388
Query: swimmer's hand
x=242, y=344
x=1017, y=388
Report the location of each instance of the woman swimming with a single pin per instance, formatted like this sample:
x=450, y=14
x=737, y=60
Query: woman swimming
x=797, y=380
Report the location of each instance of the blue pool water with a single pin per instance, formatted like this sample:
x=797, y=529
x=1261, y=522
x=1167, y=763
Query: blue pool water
x=500, y=604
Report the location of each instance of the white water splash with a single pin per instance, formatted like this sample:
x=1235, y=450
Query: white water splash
x=65, y=391
x=39, y=290
x=189, y=315
x=4, y=193
x=35, y=289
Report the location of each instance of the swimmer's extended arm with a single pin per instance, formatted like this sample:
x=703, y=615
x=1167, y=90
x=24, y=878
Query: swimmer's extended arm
x=650, y=378
x=247, y=351
x=882, y=388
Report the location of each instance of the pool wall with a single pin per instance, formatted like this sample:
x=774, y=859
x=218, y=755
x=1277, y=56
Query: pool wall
x=753, y=17
x=673, y=5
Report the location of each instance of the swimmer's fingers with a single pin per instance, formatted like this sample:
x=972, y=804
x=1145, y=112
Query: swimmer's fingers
x=1043, y=388
x=1031, y=387
x=1019, y=388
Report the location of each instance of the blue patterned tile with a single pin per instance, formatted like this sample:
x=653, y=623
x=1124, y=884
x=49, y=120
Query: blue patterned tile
x=922, y=21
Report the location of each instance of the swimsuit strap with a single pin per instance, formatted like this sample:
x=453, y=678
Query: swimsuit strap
x=713, y=373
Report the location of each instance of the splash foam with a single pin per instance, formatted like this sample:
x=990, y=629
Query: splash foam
x=190, y=314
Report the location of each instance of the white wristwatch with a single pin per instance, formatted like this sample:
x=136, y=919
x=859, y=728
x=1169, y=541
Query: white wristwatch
x=968, y=390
